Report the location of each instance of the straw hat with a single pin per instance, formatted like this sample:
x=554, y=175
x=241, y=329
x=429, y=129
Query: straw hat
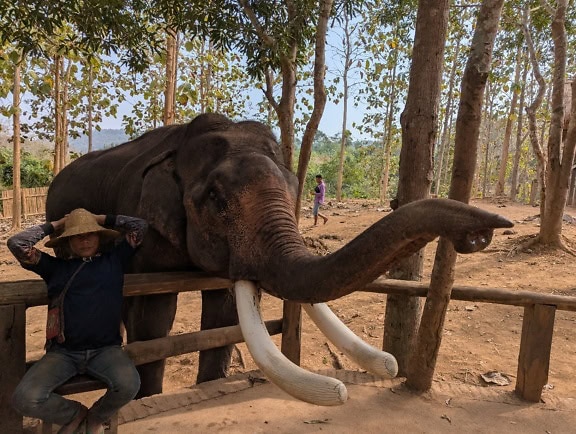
x=81, y=221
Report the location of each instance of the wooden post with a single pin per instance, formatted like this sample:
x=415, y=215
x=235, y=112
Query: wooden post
x=535, y=347
x=292, y=331
x=12, y=363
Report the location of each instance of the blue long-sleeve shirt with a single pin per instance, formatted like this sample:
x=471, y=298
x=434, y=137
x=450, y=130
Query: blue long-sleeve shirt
x=93, y=302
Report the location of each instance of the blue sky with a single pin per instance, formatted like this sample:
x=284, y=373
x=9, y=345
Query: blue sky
x=331, y=123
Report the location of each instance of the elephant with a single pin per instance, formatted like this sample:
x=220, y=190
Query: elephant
x=219, y=197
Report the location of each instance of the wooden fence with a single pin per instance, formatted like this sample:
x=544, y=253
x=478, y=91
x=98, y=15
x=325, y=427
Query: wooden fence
x=33, y=201
x=16, y=297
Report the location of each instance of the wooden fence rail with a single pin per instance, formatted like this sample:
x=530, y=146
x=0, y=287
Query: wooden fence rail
x=16, y=297
x=33, y=201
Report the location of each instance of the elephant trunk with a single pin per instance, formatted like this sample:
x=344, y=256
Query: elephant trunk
x=292, y=273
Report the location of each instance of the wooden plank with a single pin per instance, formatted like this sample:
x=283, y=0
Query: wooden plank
x=292, y=331
x=32, y=292
x=12, y=363
x=158, y=349
x=471, y=293
x=142, y=352
x=535, y=348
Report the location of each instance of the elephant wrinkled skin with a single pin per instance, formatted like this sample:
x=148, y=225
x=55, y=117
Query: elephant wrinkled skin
x=219, y=198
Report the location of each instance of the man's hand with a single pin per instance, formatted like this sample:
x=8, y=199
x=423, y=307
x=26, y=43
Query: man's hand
x=100, y=219
x=59, y=224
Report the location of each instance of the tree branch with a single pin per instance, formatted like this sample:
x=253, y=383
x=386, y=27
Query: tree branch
x=262, y=34
x=268, y=91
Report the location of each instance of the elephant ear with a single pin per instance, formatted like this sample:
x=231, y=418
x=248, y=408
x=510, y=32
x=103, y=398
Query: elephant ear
x=161, y=200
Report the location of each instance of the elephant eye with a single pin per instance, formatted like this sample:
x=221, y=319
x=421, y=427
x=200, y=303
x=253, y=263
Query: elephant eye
x=217, y=200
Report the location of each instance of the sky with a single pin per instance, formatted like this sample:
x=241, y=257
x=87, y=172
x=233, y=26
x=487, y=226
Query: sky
x=331, y=123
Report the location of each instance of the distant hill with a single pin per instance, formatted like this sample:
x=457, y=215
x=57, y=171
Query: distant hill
x=41, y=149
x=100, y=140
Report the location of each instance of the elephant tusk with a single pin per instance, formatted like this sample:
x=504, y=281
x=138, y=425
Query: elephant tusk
x=306, y=386
x=366, y=356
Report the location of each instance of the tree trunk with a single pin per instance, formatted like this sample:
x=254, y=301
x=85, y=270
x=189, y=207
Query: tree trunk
x=344, y=138
x=90, y=104
x=384, y=177
x=446, y=157
x=16, y=185
x=570, y=141
x=485, y=181
x=388, y=133
x=570, y=201
x=531, y=113
x=64, y=157
x=171, y=68
x=519, y=134
x=560, y=160
x=423, y=361
x=489, y=104
x=447, y=118
x=57, y=117
x=419, y=122
x=500, y=190
x=319, y=98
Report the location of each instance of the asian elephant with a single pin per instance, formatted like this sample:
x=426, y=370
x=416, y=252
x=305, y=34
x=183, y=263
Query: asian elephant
x=218, y=197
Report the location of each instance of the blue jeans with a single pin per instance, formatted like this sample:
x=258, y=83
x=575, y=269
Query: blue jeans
x=316, y=209
x=34, y=396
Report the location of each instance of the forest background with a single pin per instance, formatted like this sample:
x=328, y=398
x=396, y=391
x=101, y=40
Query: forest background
x=369, y=52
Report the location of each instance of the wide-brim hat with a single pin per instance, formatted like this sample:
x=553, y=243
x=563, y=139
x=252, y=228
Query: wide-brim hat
x=79, y=222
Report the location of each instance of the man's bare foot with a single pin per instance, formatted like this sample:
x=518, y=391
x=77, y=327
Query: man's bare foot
x=73, y=425
x=325, y=220
x=93, y=427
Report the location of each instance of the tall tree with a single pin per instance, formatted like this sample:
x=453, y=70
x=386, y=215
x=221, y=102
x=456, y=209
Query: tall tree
x=509, y=122
x=324, y=12
x=349, y=30
x=556, y=169
x=16, y=184
x=442, y=154
x=423, y=361
x=386, y=36
x=560, y=154
x=419, y=122
x=532, y=109
x=570, y=137
x=519, y=131
x=171, y=77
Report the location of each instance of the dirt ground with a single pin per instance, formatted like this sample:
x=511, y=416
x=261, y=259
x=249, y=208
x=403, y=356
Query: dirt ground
x=478, y=337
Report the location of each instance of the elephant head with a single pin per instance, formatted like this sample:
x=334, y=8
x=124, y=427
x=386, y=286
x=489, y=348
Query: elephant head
x=218, y=197
x=231, y=200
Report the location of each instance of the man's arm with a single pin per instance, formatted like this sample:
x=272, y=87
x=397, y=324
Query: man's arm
x=134, y=228
x=22, y=244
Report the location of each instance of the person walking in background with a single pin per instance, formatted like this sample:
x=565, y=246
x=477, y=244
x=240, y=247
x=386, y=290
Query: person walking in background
x=319, y=192
x=84, y=316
